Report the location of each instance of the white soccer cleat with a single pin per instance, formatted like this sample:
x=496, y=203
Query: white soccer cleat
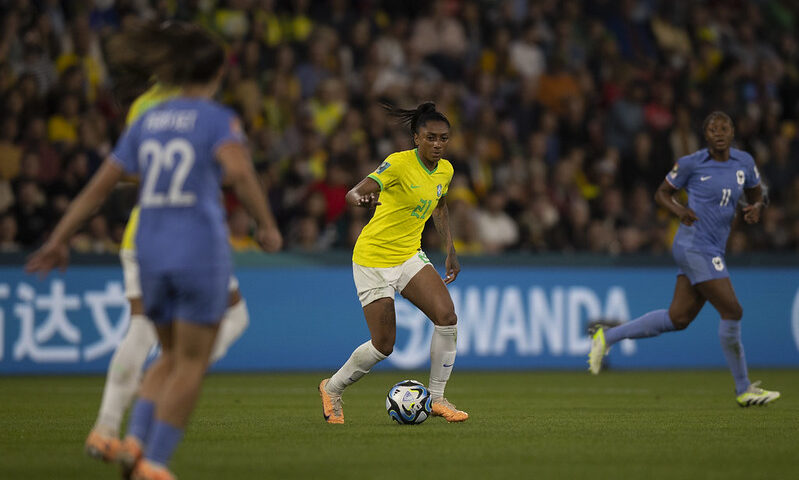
x=754, y=395
x=598, y=351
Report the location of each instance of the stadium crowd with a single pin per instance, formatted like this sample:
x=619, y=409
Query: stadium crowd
x=566, y=114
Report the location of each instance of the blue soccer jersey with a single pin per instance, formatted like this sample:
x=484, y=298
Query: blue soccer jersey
x=713, y=191
x=172, y=149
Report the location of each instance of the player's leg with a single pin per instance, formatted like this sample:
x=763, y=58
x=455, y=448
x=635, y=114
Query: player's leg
x=142, y=415
x=122, y=380
x=721, y=295
x=685, y=306
x=429, y=294
x=377, y=299
x=124, y=370
x=381, y=321
x=178, y=395
x=233, y=324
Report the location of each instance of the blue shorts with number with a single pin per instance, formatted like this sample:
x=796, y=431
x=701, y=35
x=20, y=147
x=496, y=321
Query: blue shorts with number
x=197, y=295
x=699, y=266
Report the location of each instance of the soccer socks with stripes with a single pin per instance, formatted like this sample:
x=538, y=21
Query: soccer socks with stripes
x=730, y=337
x=141, y=418
x=124, y=373
x=651, y=324
x=163, y=442
x=442, y=357
x=360, y=362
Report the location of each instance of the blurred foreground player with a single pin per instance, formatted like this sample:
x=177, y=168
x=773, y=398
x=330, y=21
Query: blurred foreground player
x=180, y=149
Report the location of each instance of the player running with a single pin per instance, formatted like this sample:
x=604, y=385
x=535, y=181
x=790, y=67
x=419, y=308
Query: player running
x=125, y=368
x=714, y=178
x=408, y=188
x=180, y=149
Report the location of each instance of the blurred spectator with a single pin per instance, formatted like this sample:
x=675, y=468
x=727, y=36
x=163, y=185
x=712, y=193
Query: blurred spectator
x=240, y=225
x=8, y=234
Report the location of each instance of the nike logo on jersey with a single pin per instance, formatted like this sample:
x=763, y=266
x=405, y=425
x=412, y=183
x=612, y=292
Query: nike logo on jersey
x=414, y=186
x=704, y=178
x=446, y=366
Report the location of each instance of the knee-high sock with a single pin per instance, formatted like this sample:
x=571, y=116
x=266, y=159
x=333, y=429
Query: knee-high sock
x=360, y=362
x=124, y=373
x=651, y=324
x=233, y=325
x=443, y=348
x=730, y=337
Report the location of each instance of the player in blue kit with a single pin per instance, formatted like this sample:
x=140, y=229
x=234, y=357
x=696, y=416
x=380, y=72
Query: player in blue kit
x=180, y=149
x=714, y=178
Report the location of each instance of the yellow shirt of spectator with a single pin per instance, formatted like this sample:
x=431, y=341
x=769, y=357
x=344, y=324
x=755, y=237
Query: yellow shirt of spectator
x=147, y=100
x=408, y=194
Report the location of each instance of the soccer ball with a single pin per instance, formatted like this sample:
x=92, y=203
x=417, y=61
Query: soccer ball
x=409, y=402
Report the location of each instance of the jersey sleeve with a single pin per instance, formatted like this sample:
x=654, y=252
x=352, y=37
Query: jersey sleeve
x=226, y=128
x=679, y=175
x=445, y=187
x=386, y=174
x=751, y=174
x=125, y=153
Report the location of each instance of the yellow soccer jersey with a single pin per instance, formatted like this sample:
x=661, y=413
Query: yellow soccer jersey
x=408, y=194
x=147, y=100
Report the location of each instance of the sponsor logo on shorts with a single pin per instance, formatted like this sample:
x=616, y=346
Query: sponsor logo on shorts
x=718, y=264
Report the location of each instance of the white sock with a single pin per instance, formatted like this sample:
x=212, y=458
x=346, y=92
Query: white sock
x=360, y=362
x=442, y=357
x=233, y=325
x=124, y=373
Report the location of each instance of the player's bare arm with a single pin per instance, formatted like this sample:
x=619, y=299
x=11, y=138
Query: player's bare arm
x=665, y=198
x=235, y=159
x=55, y=253
x=366, y=194
x=754, y=196
x=441, y=221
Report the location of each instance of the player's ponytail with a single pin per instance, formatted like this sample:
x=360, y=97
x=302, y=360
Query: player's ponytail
x=174, y=53
x=418, y=117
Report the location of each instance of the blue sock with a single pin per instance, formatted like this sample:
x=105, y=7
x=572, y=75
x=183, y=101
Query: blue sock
x=141, y=417
x=649, y=325
x=165, y=438
x=730, y=337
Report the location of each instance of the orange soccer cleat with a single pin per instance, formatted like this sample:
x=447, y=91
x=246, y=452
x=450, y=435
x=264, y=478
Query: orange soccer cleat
x=101, y=446
x=331, y=405
x=147, y=471
x=443, y=408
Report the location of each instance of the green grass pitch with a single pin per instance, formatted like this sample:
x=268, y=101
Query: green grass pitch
x=621, y=425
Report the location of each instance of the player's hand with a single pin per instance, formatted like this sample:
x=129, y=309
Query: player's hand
x=269, y=238
x=752, y=212
x=688, y=217
x=368, y=201
x=453, y=268
x=49, y=256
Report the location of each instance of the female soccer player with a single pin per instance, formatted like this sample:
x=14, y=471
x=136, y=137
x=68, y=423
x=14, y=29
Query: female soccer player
x=181, y=149
x=124, y=370
x=714, y=178
x=408, y=188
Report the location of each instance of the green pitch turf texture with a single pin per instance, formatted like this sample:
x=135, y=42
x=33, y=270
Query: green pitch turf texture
x=621, y=425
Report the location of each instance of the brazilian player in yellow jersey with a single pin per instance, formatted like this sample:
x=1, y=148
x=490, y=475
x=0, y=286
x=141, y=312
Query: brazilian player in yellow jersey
x=407, y=189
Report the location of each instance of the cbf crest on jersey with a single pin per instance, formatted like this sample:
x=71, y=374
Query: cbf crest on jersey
x=382, y=168
x=741, y=177
x=438, y=190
